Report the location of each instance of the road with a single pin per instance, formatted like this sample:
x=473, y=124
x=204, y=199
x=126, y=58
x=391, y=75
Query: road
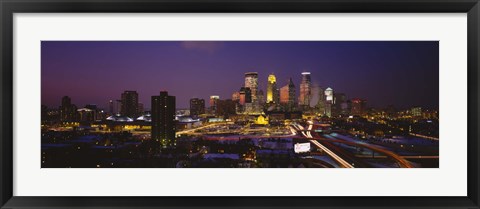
x=307, y=133
x=400, y=160
x=337, y=158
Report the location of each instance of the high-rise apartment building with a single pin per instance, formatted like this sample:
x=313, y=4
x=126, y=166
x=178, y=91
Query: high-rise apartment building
x=163, y=119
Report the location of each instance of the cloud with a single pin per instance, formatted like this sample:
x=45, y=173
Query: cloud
x=204, y=46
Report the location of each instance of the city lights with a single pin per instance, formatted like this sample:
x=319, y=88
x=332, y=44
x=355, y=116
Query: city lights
x=319, y=116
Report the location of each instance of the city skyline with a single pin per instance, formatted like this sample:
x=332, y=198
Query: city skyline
x=240, y=104
x=142, y=72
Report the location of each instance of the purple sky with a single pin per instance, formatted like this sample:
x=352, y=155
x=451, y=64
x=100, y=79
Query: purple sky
x=402, y=73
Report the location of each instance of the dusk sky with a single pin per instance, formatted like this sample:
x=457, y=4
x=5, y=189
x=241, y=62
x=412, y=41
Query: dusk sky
x=401, y=73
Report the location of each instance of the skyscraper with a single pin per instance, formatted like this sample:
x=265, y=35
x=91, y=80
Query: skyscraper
x=272, y=89
x=305, y=90
x=141, y=109
x=251, y=81
x=197, y=106
x=329, y=95
x=68, y=111
x=110, y=107
x=260, y=98
x=213, y=103
x=245, y=95
x=340, y=101
x=321, y=102
x=329, y=101
x=129, y=105
x=163, y=119
x=287, y=95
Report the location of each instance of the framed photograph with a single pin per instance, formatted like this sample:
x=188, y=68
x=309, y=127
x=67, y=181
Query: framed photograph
x=239, y=104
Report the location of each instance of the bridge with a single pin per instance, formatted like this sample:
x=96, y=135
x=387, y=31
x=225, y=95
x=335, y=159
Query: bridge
x=308, y=133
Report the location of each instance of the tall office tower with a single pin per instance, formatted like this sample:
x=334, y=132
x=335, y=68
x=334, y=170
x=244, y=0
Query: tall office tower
x=358, y=106
x=291, y=93
x=272, y=89
x=329, y=101
x=261, y=98
x=68, y=111
x=287, y=95
x=329, y=95
x=163, y=119
x=129, y=105
x=276, y=96
x=328, y=109
x=305, y=90
x=110, y=107
x=251, y=81
x=197, y=106
x=245, y=95
x=321, y=102
x=213, y=103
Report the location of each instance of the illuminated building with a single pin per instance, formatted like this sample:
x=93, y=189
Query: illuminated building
x=358, y=106
x=96, y=113
x=416, y=111
x=329, y=95
x=129, y=104
x=320, y=107
x=236, y=96
x=163, y=119
x=68, y=111
x=251, y=81
x=261, y=120
x=328, y=108
x=261, y=97
x=118, y=118
x=329, y=101
x=272, y=91
x=197, y=106
x=305, y=90
x=86, y=115
x=213, y=103
x=287, y=95
x=245, y=95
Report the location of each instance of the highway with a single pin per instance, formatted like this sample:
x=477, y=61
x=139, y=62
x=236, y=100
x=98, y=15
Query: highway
x=337, y=158
x=198, y=128
x=307, y=133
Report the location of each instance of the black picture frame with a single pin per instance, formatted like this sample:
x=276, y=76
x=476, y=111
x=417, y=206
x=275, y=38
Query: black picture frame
x=9, y=7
